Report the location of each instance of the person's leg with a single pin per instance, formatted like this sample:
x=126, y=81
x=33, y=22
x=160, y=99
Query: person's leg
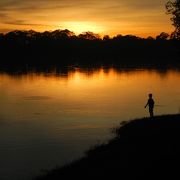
x=151, y=112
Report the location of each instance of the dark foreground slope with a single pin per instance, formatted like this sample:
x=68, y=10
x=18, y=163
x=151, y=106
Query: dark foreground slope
x=143, y=149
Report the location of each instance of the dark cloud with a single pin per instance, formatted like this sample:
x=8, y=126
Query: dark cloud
x=35, y=4
x=21, y=23
x=144, y=4
x=44, y=4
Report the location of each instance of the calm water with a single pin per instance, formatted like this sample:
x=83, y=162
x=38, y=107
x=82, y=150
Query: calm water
x=50, y=119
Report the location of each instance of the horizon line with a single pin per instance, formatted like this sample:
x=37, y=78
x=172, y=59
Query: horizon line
x=101, y=35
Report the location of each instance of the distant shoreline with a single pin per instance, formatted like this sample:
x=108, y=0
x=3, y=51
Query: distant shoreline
x=142, y=149
x=29, y=49
x=58, y=70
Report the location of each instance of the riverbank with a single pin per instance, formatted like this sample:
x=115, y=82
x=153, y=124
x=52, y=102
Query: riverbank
x=142, y=149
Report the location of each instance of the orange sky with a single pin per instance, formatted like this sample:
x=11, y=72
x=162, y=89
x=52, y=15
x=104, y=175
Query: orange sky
x=137, y=17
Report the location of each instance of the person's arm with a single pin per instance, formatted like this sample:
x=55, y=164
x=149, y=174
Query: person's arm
x=146, y=104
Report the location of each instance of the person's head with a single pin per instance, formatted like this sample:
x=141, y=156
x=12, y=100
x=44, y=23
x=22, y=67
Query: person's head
x=150, y=95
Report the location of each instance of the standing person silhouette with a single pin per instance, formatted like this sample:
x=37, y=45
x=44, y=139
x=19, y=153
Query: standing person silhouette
x=150, y=103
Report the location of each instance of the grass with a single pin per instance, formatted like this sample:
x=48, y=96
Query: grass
x=142, y=149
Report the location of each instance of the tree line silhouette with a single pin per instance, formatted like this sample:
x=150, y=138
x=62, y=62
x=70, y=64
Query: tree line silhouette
x=63, y=48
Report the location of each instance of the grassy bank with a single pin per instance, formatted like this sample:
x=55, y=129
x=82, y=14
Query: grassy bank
x=142, y=149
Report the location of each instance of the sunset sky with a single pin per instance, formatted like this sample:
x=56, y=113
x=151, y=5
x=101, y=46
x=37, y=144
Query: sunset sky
x=137, y=17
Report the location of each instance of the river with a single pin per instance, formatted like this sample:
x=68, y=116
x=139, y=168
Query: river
x=50, y=119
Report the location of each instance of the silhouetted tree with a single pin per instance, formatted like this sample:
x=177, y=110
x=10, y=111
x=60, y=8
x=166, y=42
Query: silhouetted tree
x=62, y=34
x=89, y=35
x=173, y=8
x=162, y=36
x=106, y=38
x=150, y=38
x=119, y=36
x=1, y=36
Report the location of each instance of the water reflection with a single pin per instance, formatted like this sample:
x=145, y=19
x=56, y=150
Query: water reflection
x=48, y=119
